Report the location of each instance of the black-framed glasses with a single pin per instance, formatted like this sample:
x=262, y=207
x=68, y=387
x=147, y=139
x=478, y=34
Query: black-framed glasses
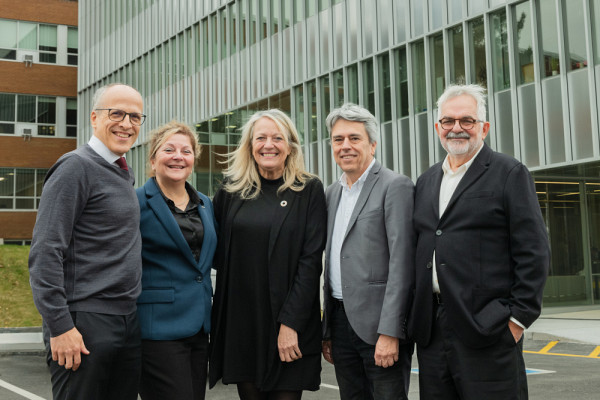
x=465, y=123
x=117, y=115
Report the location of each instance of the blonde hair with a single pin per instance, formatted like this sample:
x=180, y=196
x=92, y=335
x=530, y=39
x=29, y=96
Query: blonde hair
x=160, y=135
x=242, y=176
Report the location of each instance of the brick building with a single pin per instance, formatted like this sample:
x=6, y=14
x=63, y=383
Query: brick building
x=38, y=104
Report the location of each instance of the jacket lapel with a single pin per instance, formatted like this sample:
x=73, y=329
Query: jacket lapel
x=372, y=178
x=479, y=166
x=209, y=239
x=435, y=191
x=164, y=215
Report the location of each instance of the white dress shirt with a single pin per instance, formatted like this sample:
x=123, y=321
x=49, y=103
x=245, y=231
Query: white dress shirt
x=345, y=208
x=99, y=147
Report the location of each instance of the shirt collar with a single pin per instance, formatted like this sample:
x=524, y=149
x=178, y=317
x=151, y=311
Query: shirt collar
x=99, y=147
x=344, y=182
x=446, y=164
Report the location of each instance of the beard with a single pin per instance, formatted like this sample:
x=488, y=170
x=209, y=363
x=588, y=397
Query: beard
x=458, y=148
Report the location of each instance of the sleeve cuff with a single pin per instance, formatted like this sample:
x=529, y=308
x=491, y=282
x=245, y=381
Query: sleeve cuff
x=513, y=319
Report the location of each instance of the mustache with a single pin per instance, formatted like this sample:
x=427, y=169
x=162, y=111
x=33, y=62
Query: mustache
x=460, y=135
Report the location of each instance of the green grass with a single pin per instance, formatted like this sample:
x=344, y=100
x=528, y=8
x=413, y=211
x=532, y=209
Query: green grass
x=16, y=303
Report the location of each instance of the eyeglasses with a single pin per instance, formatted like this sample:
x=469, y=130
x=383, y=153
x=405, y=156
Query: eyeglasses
x=465, y=123
x=119, y=115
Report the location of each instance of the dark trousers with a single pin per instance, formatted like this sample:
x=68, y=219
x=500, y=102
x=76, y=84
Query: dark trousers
x=111, y=370
x=174, y=369
x=357, y=375
x=450, y=370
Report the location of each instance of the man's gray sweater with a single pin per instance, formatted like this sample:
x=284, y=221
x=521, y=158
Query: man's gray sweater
x=86, y=248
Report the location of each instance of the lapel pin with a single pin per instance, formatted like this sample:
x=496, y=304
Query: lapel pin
x=283, y=203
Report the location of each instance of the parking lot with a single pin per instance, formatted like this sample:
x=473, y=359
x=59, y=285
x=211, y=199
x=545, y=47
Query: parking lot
x=557, y=371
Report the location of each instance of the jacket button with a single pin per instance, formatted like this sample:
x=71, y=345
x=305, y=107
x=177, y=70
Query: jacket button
x=199, y=279
x=429, y=265
x=438, y=232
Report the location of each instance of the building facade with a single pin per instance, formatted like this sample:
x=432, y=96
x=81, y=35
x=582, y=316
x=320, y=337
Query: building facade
x=213, y=63
x=38, y=104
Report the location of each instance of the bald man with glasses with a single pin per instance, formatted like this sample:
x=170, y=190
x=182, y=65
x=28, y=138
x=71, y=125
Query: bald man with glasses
x=85, y=260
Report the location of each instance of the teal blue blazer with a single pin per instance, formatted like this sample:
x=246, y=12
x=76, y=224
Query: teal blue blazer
x=175, y=302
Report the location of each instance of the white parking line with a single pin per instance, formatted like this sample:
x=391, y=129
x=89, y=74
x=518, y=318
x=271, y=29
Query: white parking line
x=20, y=391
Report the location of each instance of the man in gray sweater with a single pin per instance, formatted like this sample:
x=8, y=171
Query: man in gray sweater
x=85, y=260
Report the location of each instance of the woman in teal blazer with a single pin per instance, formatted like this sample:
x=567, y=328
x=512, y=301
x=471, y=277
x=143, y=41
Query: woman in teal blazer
x=178, y=243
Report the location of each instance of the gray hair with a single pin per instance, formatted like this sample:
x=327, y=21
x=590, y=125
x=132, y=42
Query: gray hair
x=353, y=112
x=101, y=90
x=477, y=92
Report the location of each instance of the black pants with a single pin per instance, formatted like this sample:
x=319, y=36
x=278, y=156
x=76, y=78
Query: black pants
x=451, y=370
x=174, y=369
x=111, y=370
x=357, y=375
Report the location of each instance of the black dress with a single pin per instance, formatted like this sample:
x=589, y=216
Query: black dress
x=248, y=310
x=248, y=326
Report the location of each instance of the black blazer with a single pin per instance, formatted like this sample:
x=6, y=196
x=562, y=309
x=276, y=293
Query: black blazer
x=491, y=249
x=296, y=244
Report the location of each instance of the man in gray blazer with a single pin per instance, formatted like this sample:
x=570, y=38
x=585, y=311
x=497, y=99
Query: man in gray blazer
x=368, y=264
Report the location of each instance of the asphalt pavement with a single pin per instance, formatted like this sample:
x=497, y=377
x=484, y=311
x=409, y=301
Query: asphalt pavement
x=572, y=334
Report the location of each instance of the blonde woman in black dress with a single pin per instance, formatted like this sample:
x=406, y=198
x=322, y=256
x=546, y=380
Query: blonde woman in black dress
x=271, y=212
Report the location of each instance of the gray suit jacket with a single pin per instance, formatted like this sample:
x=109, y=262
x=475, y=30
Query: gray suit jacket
x=377, y=256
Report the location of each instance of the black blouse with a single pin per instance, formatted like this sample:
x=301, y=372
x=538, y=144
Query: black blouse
x=189, y=220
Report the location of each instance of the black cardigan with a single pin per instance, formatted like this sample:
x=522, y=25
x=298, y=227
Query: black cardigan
x=296, y=244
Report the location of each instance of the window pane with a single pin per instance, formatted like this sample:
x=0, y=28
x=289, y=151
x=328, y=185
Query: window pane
x=499, y=41
x=299, y=117
x=24, y=204
x=7, y=181
x=325, y=103
x=6, y=203
x=71, y=111
x=455, y=10
x=385, y=88
x=437, y=62
x=47, y=110
x=400, y=21
x=40, y=174
x=577, y=55
x=522, y=20
x=71, y=131
x=368, y=86
x=435, y=14
x=418, y=66
x=457, y=54
x=352, y=76
x=7, y=128
x=48, y=58
x=596, y=28
x=27, y=36
x=549, y=34
x=311, y=89
x=25, y=182
x=8, y=54
x=48, y=37
x=7, y=107
x=26, y=108
x=71, y=40
x=338, y=88
x=401, y=84
x=8, y=34
x=46, y=130
x=417, y=17
x=478, y=68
